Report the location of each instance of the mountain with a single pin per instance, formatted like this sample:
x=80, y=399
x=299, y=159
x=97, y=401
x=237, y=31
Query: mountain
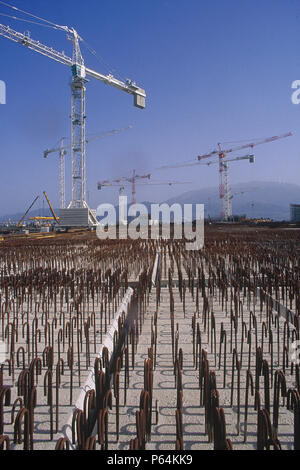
x=34, y=213
x=257, y=199
x=260, y=199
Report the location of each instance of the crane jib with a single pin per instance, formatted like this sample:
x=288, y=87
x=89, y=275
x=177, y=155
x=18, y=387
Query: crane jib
x=25, y=40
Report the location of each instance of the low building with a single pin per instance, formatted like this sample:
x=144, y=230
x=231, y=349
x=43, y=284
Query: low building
x=295, y=212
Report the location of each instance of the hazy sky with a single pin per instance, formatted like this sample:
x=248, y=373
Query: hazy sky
x=213, y=70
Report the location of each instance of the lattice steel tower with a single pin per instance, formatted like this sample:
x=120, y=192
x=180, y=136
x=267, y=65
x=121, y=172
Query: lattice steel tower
x=79, y=74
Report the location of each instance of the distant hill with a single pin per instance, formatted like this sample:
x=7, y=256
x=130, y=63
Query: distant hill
x=260, y=199
x=34, y=213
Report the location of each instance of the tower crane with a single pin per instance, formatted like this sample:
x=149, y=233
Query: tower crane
x=80, y=75
x=62, y=180
x=227, y=193
x=107, y=183
x=224, y=190
x=250, y=158
x=63, y=152
x=131, y=179
x=235, y=193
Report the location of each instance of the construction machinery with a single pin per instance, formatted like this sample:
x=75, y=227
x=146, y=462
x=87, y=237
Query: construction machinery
x=62, y=150
x=80, y=75
x=114, y=183
x=231, y=196
x=105, y=185
x=41, y=218
x=62, y=180
x=24, y=216
x=224, y=188
x=51, y=208
x=132, y=180
x=250, y=158
x=228, y=196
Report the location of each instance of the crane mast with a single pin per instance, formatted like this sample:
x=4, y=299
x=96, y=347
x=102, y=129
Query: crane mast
x=62, y=152
x=133, y=182
x=227, y=200
x=78, y=98
x=78, y=116
x=224, y=189
x=62, y=178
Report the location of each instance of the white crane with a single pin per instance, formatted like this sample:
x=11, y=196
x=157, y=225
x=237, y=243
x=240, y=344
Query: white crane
x=227, y=198
x=62, y=153
x=79, y=79
x=62, y=180
x=227, y=201
x=224, y=190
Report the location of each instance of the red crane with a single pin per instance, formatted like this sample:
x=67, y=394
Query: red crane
x=251, y=145
x=131, y=179
x=224, y=191
x=120, y=183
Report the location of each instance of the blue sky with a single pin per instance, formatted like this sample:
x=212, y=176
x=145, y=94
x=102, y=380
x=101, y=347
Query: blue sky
x=213, y=70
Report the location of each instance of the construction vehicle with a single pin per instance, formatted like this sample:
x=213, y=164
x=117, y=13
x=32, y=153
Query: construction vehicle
x=80, y=75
